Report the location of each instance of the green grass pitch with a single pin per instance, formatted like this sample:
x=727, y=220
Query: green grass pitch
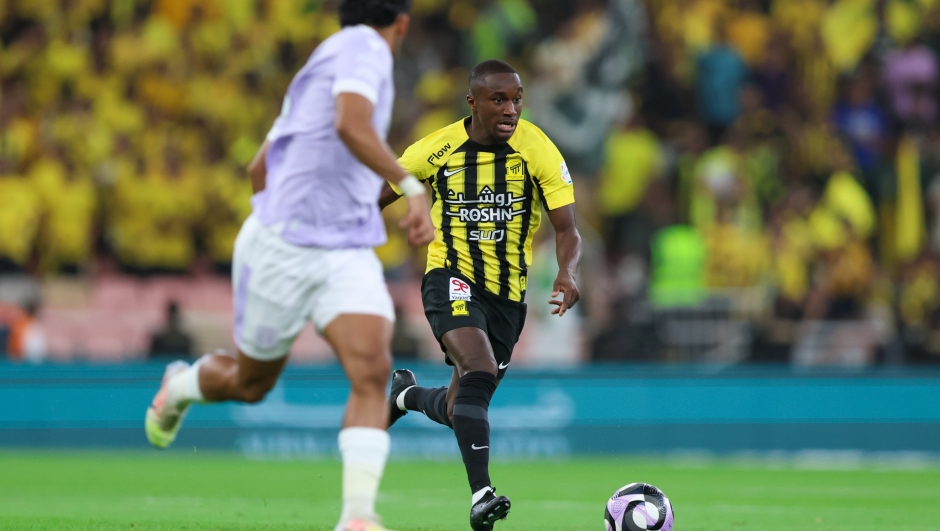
x=174, y=491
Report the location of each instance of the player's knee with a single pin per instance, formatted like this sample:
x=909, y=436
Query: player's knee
x=372, y=376
x=254, y=392
x=480, y=364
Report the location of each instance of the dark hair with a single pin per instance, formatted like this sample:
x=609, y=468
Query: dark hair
x=378, y=13
x=493, y=66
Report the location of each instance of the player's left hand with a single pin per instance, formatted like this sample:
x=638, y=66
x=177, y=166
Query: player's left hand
x=565, y=284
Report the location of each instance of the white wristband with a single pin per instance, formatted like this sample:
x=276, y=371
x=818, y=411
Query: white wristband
x=411, y=186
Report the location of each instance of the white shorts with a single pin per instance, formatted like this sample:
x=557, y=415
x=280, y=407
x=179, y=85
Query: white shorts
x=280, y=286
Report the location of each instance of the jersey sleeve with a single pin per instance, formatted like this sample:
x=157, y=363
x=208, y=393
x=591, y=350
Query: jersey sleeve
x=414, y=164
x=361, y=68
x=551, y=172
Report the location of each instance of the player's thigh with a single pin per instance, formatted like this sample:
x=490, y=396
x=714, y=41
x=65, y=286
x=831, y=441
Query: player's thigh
x=354, y=312
x=505, y=320
x=470, y=350
x=361, y=343
x=453, y=307
x=273, y=282
x=354, y=284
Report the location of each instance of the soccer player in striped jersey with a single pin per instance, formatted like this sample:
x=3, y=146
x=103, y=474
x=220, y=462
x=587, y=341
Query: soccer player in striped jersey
x=492, y=178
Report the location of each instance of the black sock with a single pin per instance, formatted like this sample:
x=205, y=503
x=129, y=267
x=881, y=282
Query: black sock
x=431, y=402
x=472, y=426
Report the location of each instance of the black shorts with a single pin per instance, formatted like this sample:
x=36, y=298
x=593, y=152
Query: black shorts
x=452, y=301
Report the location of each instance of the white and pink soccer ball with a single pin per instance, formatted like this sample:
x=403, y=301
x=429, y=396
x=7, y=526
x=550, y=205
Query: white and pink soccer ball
x=638, y=507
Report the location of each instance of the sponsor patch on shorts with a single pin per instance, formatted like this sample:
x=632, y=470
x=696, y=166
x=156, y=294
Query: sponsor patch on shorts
x=459, y=290
x=460, y=308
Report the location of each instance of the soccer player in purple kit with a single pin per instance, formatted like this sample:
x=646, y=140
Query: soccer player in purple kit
x=306, y=251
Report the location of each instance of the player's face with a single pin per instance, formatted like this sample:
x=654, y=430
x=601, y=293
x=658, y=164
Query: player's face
x=497, y=104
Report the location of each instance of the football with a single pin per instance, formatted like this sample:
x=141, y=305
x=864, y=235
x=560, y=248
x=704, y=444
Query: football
x=638, y=507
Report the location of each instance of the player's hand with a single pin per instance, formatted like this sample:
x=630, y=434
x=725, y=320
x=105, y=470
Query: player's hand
x=418, y=221
x=566, y=285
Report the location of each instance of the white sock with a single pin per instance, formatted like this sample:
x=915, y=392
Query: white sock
x=183, y=388
x=364, y=452
x=478, y=495
x=400, y=401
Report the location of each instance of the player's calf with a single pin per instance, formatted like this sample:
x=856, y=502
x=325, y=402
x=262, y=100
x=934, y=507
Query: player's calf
x=406, y=396
x=243, y=379
x=472, y=426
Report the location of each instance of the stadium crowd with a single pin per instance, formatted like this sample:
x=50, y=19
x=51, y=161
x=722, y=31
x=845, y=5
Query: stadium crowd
x=768, y=162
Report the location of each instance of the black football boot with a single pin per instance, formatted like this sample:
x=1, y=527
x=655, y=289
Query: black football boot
x=488, y=510
x=401, y=379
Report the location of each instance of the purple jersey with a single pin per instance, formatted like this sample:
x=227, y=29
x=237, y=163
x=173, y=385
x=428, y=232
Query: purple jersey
x=317, y=192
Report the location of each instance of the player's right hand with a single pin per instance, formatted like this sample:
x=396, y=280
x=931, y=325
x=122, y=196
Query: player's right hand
x=418, y=221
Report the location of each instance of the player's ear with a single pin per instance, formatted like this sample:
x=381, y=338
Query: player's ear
x=402, y=22
x=471, y=102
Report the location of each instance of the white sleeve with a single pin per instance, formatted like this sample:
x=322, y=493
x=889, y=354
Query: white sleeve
x=362, y=67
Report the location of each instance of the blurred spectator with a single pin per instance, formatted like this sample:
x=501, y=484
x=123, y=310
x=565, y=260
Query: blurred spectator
x=773, y=76
x=678, y=267
x=848, y=30
x=19, y=219
x=155, y=214
x=920, y=310
x=501, y=29
x=749, y=31
x=633, y=159
x=26, y=340
x=720, y=75
x=861, y=120
x=721, y=190
x=68, y=205
x=173, y=340
x=911, y=77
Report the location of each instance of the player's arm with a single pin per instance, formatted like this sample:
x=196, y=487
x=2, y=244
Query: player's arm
x=257, y=169
x=413, y=161
x=388, y=196
x=568, y=253
x=354, y=126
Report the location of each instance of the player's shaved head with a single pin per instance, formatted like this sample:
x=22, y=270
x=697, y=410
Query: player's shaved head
x=482, y=71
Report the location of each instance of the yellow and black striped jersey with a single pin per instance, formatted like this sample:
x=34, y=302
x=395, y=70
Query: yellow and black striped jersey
x=487, y=201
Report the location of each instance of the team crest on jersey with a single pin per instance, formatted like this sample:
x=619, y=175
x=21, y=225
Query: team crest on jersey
x=459, y=308
x=565, y=174
x=459, y=290
x=514, y=168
